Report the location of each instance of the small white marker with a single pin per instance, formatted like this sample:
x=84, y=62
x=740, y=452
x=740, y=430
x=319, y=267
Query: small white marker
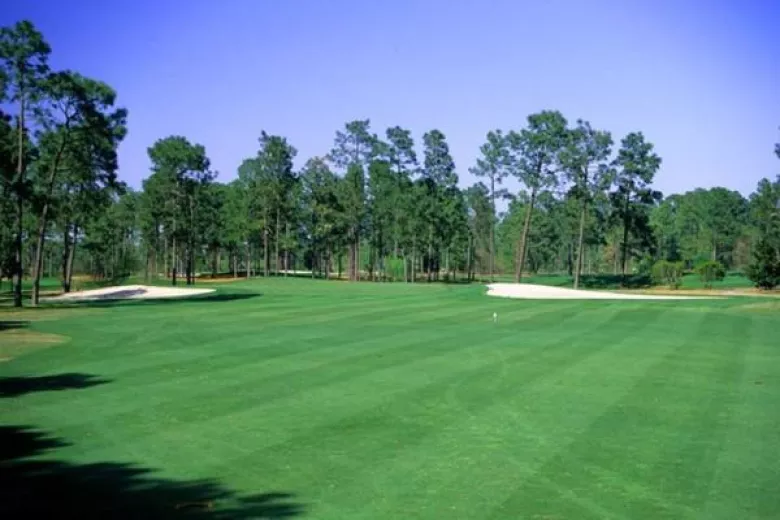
x=495, y=317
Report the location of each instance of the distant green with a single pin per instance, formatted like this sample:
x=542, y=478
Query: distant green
x=386, y=401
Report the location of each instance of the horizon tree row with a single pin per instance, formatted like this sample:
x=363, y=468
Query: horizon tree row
x=375, y=206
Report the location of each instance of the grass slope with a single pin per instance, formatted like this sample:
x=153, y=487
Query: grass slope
x=333, y=400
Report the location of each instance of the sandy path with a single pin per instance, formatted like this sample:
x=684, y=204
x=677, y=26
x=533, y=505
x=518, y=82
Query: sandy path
x=544, y=292
x=129, y=292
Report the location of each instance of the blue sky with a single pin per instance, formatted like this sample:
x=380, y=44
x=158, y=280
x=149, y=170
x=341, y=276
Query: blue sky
x=701, y=79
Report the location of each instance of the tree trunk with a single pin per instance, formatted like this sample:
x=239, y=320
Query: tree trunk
x=174, y=259
x=165, y=257
x=468, y=260
x=65, y=255
x=357, y=255
x=429, y=263
x=414, y=258
x=191, y=265
x=624, y=256
x=351, y=262
x=71, y=257
x=276, y=262
x=492, y=228
x=38, y=261
x=235, y=264
x=580, y=243
x=522, y=246
x=147, y=264
x=248, y=260
x=18, y=268
x=287, y=247
x=266, y=252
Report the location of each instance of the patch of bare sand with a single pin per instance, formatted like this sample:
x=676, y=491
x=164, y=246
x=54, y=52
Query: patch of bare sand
x=545, y=292
x=129, y=292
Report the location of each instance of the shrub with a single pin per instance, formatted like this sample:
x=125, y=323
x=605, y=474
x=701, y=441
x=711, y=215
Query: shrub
x=764, y=271
x=395, y=268
x=710, y=271
x=645, y=266
x=668, y=273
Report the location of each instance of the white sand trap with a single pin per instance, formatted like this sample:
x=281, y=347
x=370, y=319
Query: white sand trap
x=544, y=292
x=128, y=292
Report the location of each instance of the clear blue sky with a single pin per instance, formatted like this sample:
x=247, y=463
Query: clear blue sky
x=701, y=79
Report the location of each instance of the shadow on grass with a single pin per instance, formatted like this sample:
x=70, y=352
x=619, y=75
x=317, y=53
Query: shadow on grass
x=35, y=488
x=17, y=386
x=196, y=299
x=13, y=324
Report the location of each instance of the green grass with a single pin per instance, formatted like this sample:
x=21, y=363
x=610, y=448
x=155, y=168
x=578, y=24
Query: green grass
x=384, y=401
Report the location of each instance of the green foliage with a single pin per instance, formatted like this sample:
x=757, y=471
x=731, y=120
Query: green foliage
x=636, y=166
x=395, y=268
x=668, y=273
x=710, y=271
x=764, y=271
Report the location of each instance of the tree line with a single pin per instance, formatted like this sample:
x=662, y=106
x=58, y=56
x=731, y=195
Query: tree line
x=375, y=206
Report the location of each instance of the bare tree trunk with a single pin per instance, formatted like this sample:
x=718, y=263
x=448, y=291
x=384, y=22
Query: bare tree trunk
x=276, y=262
x=174, y=259
x=65, y=255
x=357, y=255
x=580, y=242
x=468, y=260
x=624, y=256
x=165, y=257
x=429, y=265
x=492, y=228
x=38, y=261
x=286, y=247
x=248, y=260
x=522, y=246
x=351, y=261
x=147, y=264
x=18, y=268
x=414, y=258
x=71, y=257
x=266, y=252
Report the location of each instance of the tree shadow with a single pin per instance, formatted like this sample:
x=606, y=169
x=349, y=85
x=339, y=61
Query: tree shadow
x=17, y=386
x=13, y=324
x=32, y=487
x=208, y=298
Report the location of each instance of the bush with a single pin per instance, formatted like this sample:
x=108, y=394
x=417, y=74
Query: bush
x=395, y=268
x=764, y=271
x=668, y=273
x=645, y=266
x=710, y=271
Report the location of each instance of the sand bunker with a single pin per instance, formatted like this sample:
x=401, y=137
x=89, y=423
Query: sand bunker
x=129, y=292
x=544, y=292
